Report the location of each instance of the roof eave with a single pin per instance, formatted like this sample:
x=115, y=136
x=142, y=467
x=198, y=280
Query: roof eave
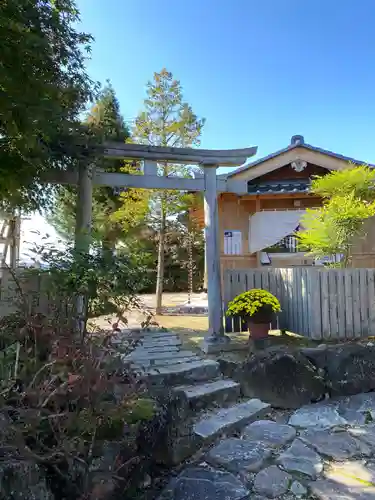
x=294, y=146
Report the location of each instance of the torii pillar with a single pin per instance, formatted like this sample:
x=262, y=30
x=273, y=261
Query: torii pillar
x=216, y=338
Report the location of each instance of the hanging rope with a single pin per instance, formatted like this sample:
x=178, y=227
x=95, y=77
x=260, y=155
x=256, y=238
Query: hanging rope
x=190, y=265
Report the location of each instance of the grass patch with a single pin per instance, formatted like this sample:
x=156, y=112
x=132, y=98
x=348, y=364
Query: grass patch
x=192, y=330
x=199, y=323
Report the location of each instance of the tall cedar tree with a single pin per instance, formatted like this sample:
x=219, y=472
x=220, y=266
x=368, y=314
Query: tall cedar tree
x=167, y=121
x=44, y=87
x=113, y=214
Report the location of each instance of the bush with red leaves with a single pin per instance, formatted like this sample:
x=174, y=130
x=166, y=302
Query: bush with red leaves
x=67, y=402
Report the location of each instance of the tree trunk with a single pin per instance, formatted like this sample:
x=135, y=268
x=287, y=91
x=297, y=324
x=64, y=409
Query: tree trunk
x=160, y=272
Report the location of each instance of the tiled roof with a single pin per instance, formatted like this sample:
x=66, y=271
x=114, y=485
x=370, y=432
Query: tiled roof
x=298, y=144
x=286, y=186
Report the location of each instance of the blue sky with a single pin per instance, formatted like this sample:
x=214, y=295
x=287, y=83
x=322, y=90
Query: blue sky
x=258, y=71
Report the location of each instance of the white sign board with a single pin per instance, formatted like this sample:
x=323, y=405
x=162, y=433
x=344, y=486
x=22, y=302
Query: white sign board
x=232, y=242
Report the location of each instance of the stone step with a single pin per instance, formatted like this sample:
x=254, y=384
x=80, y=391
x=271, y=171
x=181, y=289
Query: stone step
x=144, y=356
x=167, y=338
x=156, y=363
x=160, y=337
x=156, y=350
x=205, y=394
x=184, y=373
x=161, y=343
x=229, y=420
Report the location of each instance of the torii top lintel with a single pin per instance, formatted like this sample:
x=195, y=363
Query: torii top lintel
x=220, y=158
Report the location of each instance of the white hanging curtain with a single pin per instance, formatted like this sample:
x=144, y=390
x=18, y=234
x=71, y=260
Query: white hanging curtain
x=269, y=227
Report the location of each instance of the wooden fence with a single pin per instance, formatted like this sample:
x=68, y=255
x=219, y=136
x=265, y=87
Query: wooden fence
x=30, y=289
x=317, y=303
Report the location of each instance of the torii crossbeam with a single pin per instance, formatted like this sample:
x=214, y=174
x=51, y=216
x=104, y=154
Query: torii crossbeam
x=210, y=184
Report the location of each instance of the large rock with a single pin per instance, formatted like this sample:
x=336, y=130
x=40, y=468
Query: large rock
x=321, y=415
x=301, y=458
x=358, y=409
x=230, y=419
x=350, y=369
x=21, y=480
x=203, y=483
x=282, y=378
x=176, y=440
x=269, y=433
x=228, y=366
x=317, y=355
x=298, y=489
x=272, y=482
x=239, y=455
x=338, y=446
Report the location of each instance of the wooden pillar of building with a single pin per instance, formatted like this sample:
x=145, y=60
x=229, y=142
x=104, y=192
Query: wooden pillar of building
x=257, y=209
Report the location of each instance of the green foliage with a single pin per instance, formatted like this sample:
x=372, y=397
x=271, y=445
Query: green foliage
x=348, y=201
x=113, y=214
x=105, y=118
x=61, y=397
x=167, y=121
x=44, y=87
x=251, y=302
x=354, y=180
x=131, y=221
x=109, y=285
x=331, y=229
x=145, y=241
x=177, y=257
x=62, y=215
x=138, y=410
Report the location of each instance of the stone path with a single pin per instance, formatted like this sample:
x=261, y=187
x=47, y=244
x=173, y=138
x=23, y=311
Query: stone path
x=324, y=451
x=161, y=358
x=159, y=349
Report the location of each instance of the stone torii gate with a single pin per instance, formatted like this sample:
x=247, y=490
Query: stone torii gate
x=209, y=183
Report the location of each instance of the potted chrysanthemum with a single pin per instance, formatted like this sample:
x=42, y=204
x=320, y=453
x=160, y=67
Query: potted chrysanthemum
x=257, y=308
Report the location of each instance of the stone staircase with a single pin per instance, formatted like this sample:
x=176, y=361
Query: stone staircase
x=205, y=394
x=211, y=405
x=322, y=451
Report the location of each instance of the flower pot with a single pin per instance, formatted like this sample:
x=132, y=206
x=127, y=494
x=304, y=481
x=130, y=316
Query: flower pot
x=259, y=323
x=258, y=330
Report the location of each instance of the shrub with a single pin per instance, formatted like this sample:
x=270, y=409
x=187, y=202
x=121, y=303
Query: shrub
x=251, y=302
x=109, y=285
x=65, y=398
